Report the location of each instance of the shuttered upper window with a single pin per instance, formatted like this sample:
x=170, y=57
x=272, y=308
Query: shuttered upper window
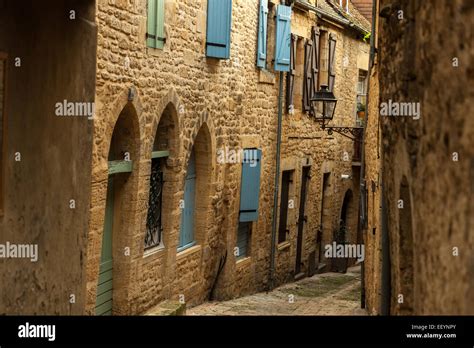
x=250, y=185
x=262, y=34
x=283, y=38
x=155, y=36
x=219, y=22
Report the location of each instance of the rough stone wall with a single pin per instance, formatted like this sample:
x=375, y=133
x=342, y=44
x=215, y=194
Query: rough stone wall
x=47, y=157
x=214, y=104
x=416, y=65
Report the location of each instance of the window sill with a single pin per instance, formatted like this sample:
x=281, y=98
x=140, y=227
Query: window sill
x=188, y=251
x=265, y=76
x=156, y=52
x=284, y=246
x=245, y=261
x=155, y=250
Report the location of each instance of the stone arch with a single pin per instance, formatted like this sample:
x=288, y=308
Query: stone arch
x=165, y=138
x=167, y=114
x=204, y=152
x=116, y=132
x=346, y=211
x=405, y=257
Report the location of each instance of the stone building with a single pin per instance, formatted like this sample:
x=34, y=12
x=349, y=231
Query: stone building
x=154, y=197
x=419, y=174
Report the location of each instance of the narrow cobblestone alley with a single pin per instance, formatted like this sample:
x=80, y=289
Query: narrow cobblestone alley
x=322, y=294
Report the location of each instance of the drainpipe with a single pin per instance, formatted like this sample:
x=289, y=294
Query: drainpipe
x=277, y=178
x=363, y=182
x=277, y=182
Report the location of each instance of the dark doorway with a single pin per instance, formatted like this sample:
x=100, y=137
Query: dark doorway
x=283, y=230
x=302, y=218
x=386, y=264
x=322, y=226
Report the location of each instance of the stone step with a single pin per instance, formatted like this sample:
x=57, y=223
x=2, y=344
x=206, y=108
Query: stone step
x=168, y=308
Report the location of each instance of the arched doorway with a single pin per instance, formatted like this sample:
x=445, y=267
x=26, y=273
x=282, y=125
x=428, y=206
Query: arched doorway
x=341, y=235
x=162, y=181
x=196, y=191
x=196, y=250
x=122, y=153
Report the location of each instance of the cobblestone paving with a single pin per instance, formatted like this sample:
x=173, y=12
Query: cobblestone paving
x=322, y=294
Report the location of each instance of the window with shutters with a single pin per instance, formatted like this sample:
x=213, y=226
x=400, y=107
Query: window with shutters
x=311, y=68
x=219, y=23
x=3, y=80
x=323, y=77
x=361, y=98
x=283, y=230
x=283, y=38
x=155, y=35
x=332, y=61
x=262, y=48
x=250, y=185
x=243, y=240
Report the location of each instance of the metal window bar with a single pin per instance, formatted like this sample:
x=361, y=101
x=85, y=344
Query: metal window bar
x=154, y=227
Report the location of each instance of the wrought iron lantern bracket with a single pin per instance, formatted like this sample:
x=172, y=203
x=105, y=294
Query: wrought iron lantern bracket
x=353, y=133
x=323, y=105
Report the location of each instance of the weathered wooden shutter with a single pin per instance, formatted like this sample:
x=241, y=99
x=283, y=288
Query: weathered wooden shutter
x=315, y=59
x=332, y=61
x=308, y=75
x=290, y=78
x=283, y=38
x=219, y=21
x=262, y=34
x=155, y=37
x=250, y=185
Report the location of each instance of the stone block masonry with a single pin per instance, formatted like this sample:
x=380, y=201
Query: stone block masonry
x=208, y=104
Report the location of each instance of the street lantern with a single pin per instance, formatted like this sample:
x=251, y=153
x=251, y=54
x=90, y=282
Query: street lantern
x=323, y=105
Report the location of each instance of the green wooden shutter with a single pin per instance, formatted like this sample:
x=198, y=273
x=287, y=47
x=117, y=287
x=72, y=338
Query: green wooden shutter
x=155, y=37
x=262, y=34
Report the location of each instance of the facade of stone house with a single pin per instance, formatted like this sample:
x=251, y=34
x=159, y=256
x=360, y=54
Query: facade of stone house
x=171, y=209
x=419, y=238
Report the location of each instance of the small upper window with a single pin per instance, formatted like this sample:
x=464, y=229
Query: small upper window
x=155, y=35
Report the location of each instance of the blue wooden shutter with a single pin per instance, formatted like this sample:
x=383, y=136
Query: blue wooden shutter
x=250, y=185
x=155, y=37
x=283, y=38
x=186, y=234
x=262, y=34
x=219, y=19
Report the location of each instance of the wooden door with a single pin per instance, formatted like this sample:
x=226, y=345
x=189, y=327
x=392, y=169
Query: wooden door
x=302, y=218
x=104, y=288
